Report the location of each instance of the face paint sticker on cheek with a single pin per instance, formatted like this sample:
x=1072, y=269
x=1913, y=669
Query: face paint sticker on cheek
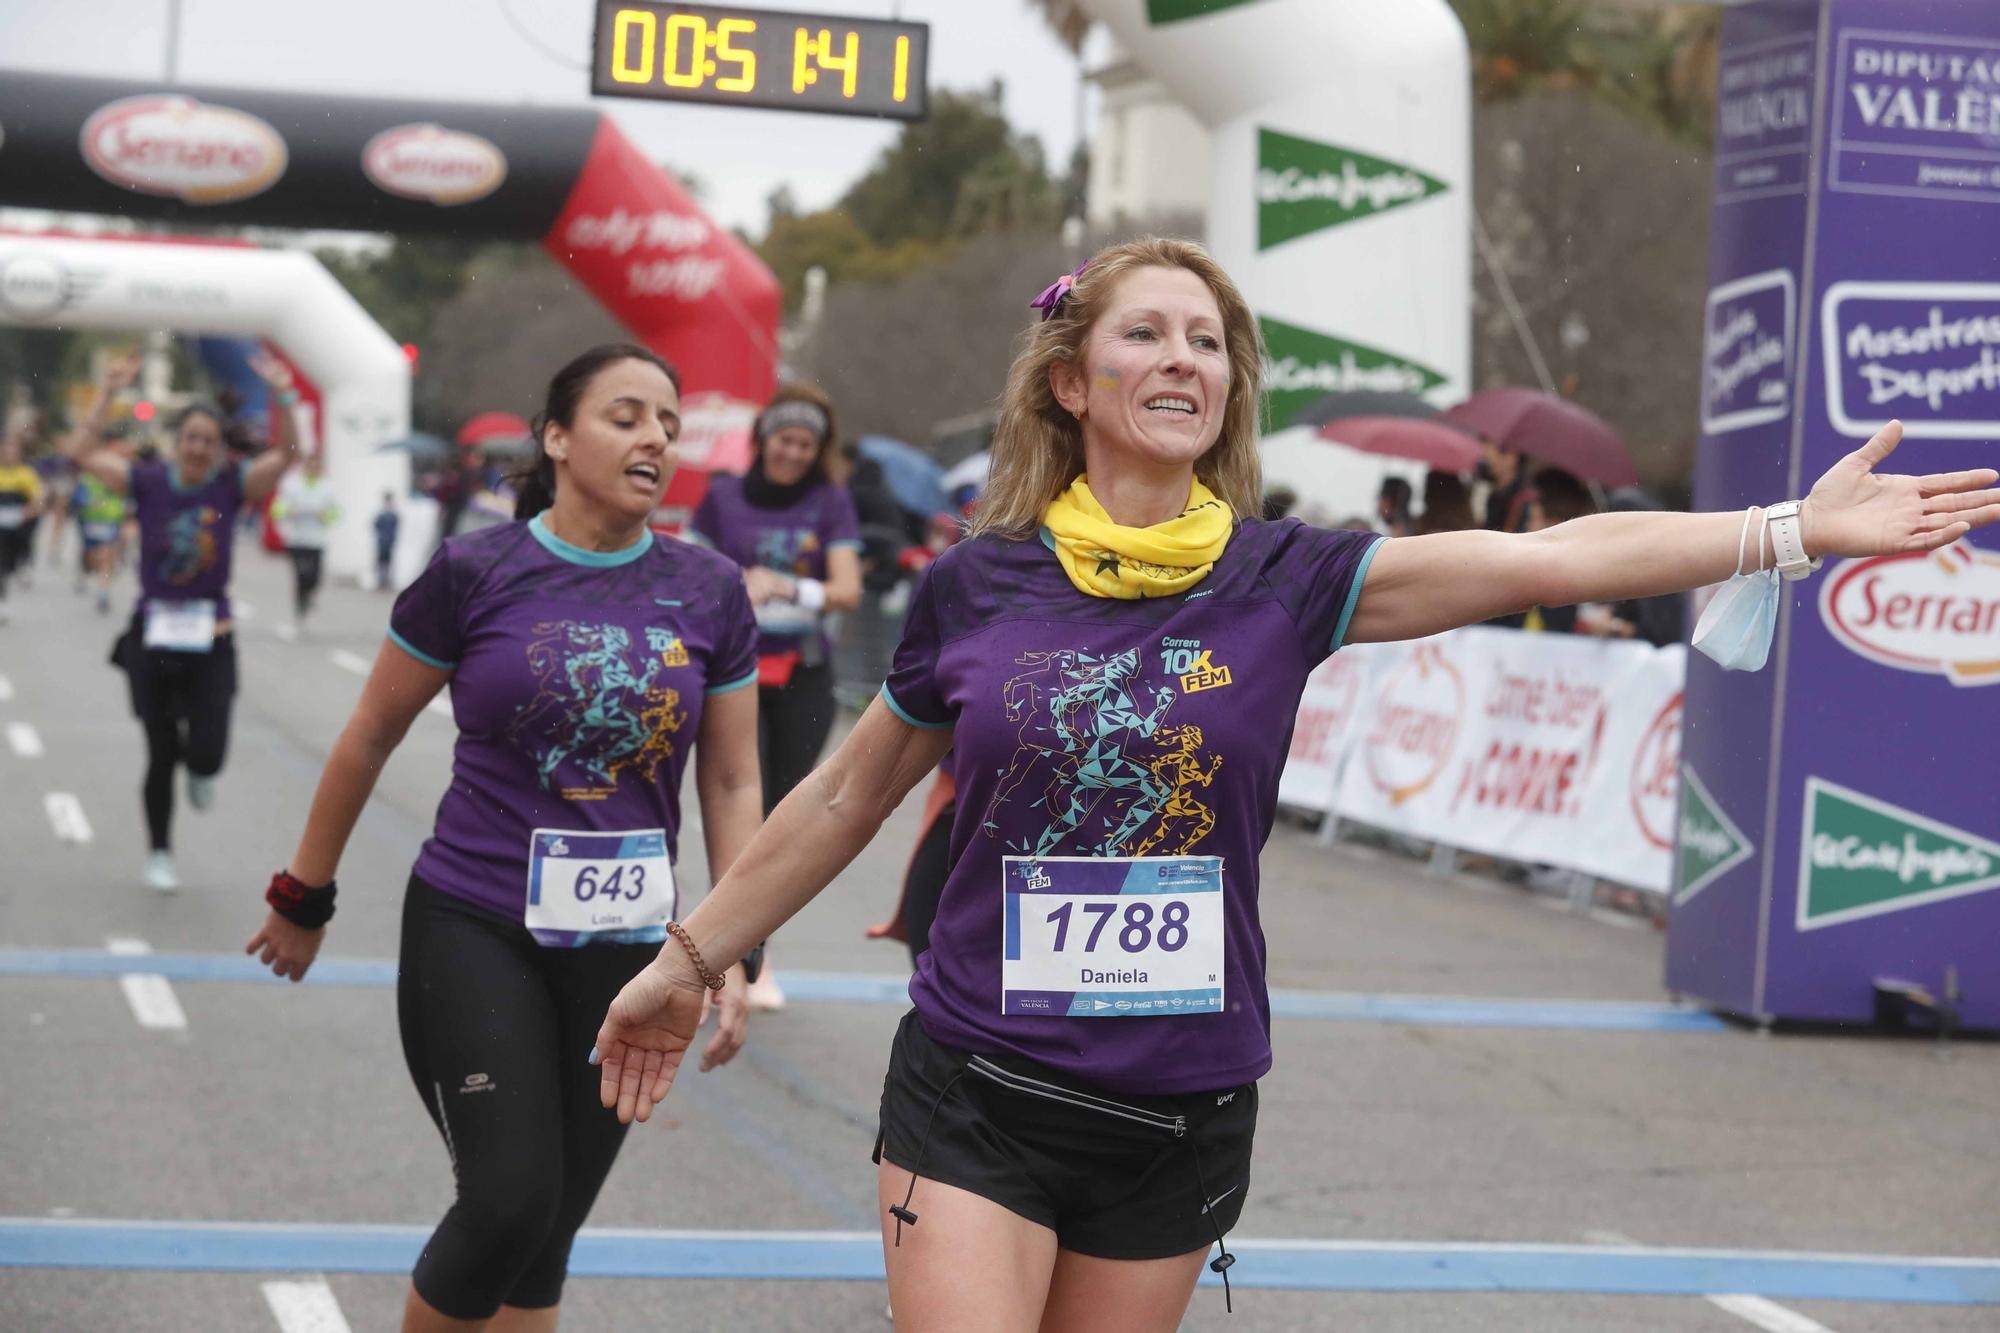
x=1107, y=378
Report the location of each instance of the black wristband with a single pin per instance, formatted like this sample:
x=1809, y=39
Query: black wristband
x=298, y=902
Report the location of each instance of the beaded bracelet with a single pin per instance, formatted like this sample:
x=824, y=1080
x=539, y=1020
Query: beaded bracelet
x=708, y=978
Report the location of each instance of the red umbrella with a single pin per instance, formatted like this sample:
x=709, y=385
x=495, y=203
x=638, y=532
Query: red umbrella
x=489, y=426
x=1553, y=430
x=1406, y=437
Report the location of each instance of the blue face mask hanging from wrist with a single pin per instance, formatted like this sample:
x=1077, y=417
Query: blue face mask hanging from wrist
x=1739, y=622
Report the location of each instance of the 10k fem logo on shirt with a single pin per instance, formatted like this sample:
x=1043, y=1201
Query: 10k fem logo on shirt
x=1194, y=664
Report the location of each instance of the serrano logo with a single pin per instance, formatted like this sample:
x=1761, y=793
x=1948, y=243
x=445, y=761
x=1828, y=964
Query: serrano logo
x=180, y=148
x=426, y=161
x=1656, y=776
x=1935, y=614
x=1417, y=716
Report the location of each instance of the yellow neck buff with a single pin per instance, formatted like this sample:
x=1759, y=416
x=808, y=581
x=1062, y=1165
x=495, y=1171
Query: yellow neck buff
x=1106, y=559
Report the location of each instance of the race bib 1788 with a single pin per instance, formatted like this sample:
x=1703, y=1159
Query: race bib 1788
x=1112, y=937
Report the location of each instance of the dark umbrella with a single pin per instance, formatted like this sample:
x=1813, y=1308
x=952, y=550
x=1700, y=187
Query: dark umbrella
x=1362, y=403
x=1550, y=429
x=1429, y=442
x=914, y=477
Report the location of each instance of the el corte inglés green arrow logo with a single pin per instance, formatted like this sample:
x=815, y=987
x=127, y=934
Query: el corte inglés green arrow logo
x=1710, y=844
x=1861, y=857
x=1306, y=365
x=1173, y=11
x=1304, y=187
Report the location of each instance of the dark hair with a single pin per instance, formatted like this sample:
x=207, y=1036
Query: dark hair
x=199, y=408
x=1562, y=496
x=800, y=392
x=1447, y=504
x=535, y=484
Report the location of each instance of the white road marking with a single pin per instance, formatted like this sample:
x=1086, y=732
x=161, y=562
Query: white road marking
x=6, y=690
x=1768, y=1315
x=66, y=816
x=289, y=633
x=307, y=1306
x=1597, y=1236
x=361, y=666
x=26, y=741
x=151, y=996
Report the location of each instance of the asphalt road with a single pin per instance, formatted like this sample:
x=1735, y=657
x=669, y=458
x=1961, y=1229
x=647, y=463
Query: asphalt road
x=275, y=1106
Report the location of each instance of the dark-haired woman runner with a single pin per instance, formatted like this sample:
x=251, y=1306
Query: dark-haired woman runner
x=792, y=531
x=584, y=659
x=179, y=653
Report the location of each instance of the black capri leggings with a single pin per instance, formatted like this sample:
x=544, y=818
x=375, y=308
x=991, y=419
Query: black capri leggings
x=497, y=1032
x=183, y=700
x=793, y=722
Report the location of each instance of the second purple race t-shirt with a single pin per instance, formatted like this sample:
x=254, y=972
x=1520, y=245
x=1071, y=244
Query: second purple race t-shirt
x=578, y=679
x=1117, y=766
x=792, y=540
x=186, y=533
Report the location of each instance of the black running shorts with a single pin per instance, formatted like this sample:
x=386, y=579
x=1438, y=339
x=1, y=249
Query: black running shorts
x=1114, y=1176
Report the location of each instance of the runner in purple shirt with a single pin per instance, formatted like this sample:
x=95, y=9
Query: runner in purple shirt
x=1115, y=660
x=791, y=529
x=179, y=654
x=584, y=658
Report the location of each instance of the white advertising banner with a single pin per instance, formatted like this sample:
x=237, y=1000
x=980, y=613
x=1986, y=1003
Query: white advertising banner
x=1545, y=748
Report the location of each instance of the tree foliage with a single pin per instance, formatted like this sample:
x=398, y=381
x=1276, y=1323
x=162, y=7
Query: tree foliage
x=962, y=173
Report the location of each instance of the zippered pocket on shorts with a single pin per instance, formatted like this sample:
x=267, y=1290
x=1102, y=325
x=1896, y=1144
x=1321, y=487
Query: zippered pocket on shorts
x=1034, y=1087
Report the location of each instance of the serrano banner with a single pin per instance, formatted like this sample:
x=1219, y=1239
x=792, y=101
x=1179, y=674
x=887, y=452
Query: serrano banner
x=566, y=178
x=1542, y=748
x=1839, y=824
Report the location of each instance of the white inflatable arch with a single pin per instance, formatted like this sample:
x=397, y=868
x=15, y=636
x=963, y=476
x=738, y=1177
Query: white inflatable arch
x=1341, y=170
x=150, y=283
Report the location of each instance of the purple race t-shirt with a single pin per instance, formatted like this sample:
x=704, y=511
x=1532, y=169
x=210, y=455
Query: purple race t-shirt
x=1087, y=727
x=186, y=533
x=577, y=684
x=793, y=540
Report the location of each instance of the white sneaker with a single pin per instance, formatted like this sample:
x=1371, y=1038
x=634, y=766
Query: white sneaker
x=160, y=873
x=764, y=995
x=201, y=791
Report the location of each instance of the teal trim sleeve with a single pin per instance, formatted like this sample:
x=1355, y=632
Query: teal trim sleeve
x=420, y=654
x=903, y=713
x=750, y=679
x=1354, y=594
x=577, y=555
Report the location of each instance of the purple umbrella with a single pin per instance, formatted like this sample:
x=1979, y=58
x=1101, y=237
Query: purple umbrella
x=1429, y=442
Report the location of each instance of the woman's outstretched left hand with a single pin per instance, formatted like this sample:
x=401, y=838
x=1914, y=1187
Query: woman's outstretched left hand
x=1855, y=511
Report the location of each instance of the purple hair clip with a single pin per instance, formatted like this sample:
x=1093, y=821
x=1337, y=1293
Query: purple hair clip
x=1052, y=297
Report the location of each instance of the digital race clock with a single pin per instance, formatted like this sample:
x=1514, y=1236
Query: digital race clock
x=760, y=57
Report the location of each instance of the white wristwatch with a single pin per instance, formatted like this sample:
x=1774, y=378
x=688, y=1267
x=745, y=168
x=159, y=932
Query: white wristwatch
x=1788, y=545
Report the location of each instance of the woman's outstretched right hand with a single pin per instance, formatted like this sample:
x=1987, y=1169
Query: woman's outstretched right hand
x=646, y=1034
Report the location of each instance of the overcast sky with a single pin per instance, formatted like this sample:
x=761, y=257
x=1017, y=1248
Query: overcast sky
x=536, y=51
